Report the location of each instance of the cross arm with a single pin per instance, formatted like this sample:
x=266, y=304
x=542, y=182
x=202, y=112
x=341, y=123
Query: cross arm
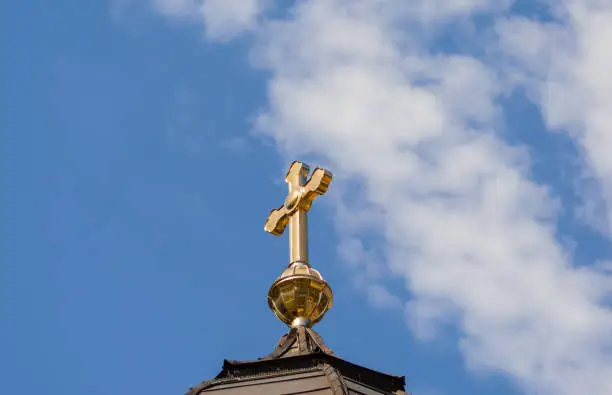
x=277, y=221
x=317, y=185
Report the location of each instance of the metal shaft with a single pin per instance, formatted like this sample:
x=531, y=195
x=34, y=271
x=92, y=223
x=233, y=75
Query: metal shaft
x=298, y=237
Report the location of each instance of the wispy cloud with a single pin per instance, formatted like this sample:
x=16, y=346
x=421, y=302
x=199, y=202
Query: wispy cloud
x=470, y=232
x=222, y=19
x=176, y=8
x=225, y=19
x=566, y=62
x=473, y=236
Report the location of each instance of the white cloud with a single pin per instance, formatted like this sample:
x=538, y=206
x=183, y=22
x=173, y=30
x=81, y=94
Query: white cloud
x=566, y=63
x=225, y=19
x=380, y=297
x=465, y=226
x=222, y=19
x=176, y=8
x=354, y=85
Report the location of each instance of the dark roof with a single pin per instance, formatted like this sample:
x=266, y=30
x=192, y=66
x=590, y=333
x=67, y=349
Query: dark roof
x=301, y=362
x=299, y=341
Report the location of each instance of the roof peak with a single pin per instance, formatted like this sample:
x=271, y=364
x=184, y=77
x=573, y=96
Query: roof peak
x=300, y=340
x=299, y=354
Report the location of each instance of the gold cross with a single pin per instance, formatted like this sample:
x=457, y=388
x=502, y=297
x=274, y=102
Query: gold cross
x=294, y=211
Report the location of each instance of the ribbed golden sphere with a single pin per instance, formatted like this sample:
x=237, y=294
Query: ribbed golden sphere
x=300, y=296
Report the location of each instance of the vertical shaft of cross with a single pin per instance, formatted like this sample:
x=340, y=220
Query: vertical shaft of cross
x=298, y=237
x=298, y=220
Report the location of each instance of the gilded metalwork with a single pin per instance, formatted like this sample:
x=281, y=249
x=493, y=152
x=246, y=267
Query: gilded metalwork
x=300, y=296
x=294, y=210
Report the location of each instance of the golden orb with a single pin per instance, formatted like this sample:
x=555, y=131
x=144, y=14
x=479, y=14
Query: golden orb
x=300, y=296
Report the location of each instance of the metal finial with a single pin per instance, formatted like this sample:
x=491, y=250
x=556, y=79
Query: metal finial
x=299, y=296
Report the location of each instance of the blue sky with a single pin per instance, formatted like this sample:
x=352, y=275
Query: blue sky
x=465, y=236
